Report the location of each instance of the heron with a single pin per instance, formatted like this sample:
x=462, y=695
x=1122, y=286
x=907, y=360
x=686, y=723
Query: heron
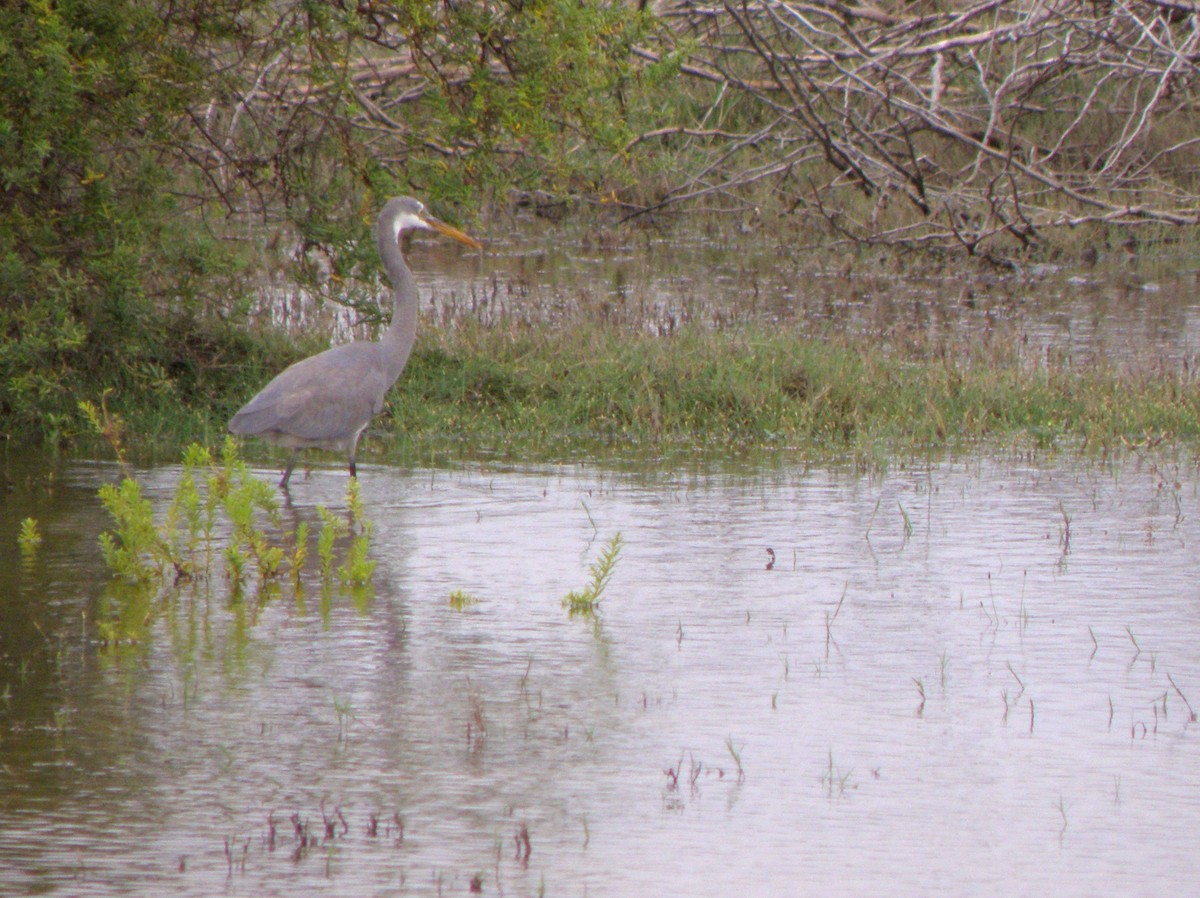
x=326, y=400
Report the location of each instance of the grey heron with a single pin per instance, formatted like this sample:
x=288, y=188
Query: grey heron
x=326, y=401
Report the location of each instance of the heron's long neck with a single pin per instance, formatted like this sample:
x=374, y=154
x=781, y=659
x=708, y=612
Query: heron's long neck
x=399, y=337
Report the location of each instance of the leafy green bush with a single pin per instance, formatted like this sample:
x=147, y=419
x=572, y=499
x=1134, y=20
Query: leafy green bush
x=88, y=96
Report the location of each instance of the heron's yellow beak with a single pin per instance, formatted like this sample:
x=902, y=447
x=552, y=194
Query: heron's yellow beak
x=442, y=228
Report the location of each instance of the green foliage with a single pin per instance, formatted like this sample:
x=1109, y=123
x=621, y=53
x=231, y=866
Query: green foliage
x=332, y=527
x=89, y=92
x=29, y=539
x=358, y=568
x=134, y=551
x=461, y=600
x=587, y=601
x=219, y=499
x=552, y=81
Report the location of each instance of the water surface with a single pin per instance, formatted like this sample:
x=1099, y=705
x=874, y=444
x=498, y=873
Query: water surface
x=963, y=678
x=1144, y=312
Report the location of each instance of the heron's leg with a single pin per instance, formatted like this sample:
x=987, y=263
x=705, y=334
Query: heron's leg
x=287, y=474
x=354, y=452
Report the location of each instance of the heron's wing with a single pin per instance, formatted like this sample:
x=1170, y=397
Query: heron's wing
x=327, y=397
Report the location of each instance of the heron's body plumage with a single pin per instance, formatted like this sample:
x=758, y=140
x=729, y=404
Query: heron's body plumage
x=327, y=400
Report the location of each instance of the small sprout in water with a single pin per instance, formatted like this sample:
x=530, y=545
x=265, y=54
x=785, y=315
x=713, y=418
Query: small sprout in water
x=461, y=600
x=108, y=425
x=299, y=551
x=735, y=752
x=345, y=714
x=908, y=527
x=331, y=528
x=587, y=600
x=29, y=539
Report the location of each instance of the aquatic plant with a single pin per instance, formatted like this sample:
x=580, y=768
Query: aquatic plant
x=219, y=512
x=332, y=527
x=108, y=425
x=358, y=568
x=834, y=779
x=299, y=552
x=587, y=600
x=29, y=539
x=460, y=600
x=135, y=549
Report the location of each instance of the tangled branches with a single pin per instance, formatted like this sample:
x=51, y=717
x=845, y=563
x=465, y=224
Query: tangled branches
x=956, y=125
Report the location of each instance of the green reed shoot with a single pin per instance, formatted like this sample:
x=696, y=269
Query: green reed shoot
x=357, y=569
x=299, y=551
x=135, y=551
x=587, y=600
x=331, y=528
x=108, y=424
x=908, y=528
x=191, y=516
x=461, y=600
x=29, y=539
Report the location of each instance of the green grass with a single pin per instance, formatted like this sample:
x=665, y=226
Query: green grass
x=546, y=390
x=549, y=390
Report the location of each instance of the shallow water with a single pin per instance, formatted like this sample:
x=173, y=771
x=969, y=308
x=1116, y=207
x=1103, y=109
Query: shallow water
x=1146, y=313
x=966, y=679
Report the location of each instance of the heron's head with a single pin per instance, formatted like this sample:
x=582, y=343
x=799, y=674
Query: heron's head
x=407, y=214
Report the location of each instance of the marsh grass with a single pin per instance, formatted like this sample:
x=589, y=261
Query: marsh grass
x=544, y=390
x=537, y=374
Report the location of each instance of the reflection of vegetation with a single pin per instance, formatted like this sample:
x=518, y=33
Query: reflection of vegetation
x=587, y=600
x=219, y=512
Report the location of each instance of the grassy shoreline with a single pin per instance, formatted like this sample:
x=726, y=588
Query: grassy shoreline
x=547, y=391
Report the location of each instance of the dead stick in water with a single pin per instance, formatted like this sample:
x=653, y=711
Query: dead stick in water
x=1008, y=664
x=1179, y=692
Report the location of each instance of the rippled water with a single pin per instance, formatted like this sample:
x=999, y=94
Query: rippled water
x=961, y=679
x=666, y=278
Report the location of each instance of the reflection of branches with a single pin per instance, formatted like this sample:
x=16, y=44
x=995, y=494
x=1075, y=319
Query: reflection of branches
x=1003, y=117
